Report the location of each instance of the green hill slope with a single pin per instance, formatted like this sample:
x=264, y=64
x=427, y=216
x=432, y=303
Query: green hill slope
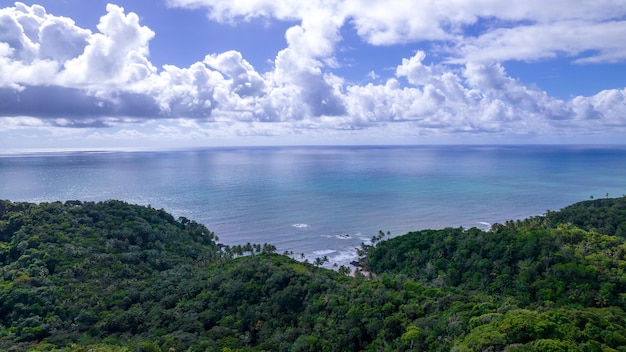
x=110, y=276
x=538, y=261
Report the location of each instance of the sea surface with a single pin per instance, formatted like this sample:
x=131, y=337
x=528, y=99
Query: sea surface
x=326, y=201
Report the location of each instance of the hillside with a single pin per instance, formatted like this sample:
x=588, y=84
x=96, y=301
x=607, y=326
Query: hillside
x=110, y=276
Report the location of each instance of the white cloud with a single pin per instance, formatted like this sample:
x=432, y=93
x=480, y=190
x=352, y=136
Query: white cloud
x=20, y=122
x=185, y=91
x=507, y=30
x=230, y=10
x=480, y=99
x=608, y=106
x=245, y=80
x=542, y=41
x=117, y=55
x=414, y=70
x=60, y=40
x=54, y=74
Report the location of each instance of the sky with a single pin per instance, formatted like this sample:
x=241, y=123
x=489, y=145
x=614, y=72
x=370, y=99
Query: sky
x=165, y=74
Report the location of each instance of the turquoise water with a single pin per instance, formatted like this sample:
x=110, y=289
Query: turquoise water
x=326, y=200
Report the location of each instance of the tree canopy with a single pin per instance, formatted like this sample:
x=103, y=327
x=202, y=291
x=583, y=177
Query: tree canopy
x=111, y=276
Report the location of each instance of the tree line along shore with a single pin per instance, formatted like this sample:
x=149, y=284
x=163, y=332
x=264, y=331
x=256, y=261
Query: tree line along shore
x=111, y=276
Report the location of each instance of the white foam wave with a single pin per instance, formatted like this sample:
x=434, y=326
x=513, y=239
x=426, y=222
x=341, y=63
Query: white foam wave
x=344, y=257
x=487, y=225
x=301, y=226
x=324, y=251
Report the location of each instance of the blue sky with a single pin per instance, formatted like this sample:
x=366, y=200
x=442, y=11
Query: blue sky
x=186, y=73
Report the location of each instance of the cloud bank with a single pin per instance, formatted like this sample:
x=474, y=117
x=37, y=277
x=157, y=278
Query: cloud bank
x=56, y=74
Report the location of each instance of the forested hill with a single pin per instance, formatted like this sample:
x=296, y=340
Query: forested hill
x=573, y=256
x=110, y=276
x=606, y=216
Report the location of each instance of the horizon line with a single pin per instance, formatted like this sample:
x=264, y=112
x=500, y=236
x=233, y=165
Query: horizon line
x=103, y=150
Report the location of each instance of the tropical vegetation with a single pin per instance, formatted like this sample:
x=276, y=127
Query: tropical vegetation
x=111, y=276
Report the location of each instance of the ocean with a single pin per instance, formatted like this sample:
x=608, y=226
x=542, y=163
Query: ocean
x=326, y=201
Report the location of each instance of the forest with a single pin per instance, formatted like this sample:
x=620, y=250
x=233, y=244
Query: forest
x=112, y=276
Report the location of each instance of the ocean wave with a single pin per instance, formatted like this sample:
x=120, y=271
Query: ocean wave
x=344, y=257
x=344, y=236
x=301, y=226
x=324, y=251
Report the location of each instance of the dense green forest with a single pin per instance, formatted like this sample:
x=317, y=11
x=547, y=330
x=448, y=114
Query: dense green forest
x=110, y=276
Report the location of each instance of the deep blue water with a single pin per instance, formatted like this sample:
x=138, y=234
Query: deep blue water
x=326, y=200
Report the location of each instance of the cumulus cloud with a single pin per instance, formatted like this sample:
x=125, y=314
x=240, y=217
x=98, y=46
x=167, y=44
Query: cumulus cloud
x=245, y=80
x=54, y=73
x=587, y=42
x=117, y=55
x=51, y=67
x=475, y=34
x=470, y=30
